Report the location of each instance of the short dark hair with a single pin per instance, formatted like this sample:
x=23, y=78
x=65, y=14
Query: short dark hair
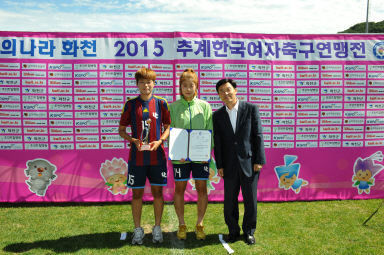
x=224, y=81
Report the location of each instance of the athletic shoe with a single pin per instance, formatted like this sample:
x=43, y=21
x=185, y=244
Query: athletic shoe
x=200, y=235
x=157, y=235
x=182, y=232
x=138, y=235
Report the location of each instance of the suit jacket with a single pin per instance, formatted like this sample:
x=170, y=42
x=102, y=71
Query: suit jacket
x=246, y=144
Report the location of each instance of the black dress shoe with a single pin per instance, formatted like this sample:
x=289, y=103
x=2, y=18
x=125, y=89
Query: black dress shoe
x=249, y=239
x=231, y=238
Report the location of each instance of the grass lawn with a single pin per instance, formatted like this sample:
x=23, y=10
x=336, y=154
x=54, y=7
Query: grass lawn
x=321, y=227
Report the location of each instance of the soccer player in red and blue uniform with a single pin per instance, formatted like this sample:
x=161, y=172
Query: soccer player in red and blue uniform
x=150, y=114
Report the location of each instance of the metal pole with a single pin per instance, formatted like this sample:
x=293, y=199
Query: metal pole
x=366, y=22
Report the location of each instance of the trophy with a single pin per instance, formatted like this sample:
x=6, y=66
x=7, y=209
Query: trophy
x=144, y=145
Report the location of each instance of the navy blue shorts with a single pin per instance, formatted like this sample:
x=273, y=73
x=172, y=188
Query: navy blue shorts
x=157, y=175
x=182, y=172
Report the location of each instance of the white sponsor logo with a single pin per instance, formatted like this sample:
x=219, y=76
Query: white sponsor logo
x=374, y=143
x=86, y=82
x=60, y=106
x=9, y=66
x=284, y=106
x=60, y=66
x=283, y=67
x=113, y=82
x=10, y=74
x=89, y=130
x=278, y=75
x=161, y=67
x=34, y=66
x=63, y=146
x=331, y=75
x=87, y=146
x=262, y=75
x=307, y=75
x=283, y=145
x=211, y=66
x=61, y=130
x=330, y=136
x=283, y=83
x=59, y=82
x=85, y=90
x=330, y=144
x=35, y=122
x=331, y=106
x=85, y=74
x=61, y=122
x=112, y=145
x=283, y=129
x=110, y=122
x=331, y=67
x=111, y=66
x=306, y=136
x=111, y=74
x=330, y=129
x=138, y=66
x=352, y=143
x=354, y=68
x=307, y=129
x=12, y=146
x=349, y=75
x=34, y=130
x=355, y=83
x=260, y=67
x=260, y=98
x=352, y=136
x=306, y=144
x=235, y=67
x=284, y=98
x=36, y=146
x=61, y=138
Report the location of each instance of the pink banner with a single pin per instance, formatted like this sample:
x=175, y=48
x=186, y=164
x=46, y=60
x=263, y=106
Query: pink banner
x=61, y=94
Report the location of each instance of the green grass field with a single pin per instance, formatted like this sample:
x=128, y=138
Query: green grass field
x=322, y=227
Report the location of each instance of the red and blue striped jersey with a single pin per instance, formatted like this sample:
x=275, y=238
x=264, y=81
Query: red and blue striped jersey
x=136, y=111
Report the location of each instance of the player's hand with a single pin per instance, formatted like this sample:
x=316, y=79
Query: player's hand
x=137, y=143
x=220, y=171
x=155, y=144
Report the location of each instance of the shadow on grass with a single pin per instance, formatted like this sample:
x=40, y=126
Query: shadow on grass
x=109, y=241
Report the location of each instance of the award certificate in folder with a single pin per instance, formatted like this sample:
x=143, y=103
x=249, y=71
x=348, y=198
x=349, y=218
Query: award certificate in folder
x=190, y=144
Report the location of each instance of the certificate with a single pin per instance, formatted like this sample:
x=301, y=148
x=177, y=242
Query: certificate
x=191, y=145
x=200, y=145
x=178, y=144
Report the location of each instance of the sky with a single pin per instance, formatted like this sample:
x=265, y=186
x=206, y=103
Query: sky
x=238, y=16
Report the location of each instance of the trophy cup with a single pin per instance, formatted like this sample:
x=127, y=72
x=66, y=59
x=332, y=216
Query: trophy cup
x=144, y=146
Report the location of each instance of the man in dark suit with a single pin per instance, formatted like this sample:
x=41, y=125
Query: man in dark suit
x=239, y=154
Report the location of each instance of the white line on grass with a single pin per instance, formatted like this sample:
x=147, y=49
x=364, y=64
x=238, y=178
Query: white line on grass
x=226, y=246
x=177, y=245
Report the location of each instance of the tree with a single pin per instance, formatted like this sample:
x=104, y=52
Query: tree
x=373, y=27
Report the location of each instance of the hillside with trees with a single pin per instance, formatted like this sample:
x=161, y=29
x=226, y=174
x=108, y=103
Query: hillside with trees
x=373, y=27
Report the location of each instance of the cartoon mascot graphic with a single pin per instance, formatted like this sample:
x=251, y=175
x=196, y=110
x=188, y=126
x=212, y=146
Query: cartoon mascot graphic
x=364, y=171
x=114, y=174
x=212, y=179
x=288, y=175
x=41, y=173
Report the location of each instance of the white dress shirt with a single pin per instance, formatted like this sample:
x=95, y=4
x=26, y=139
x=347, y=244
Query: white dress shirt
x=233, y=115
